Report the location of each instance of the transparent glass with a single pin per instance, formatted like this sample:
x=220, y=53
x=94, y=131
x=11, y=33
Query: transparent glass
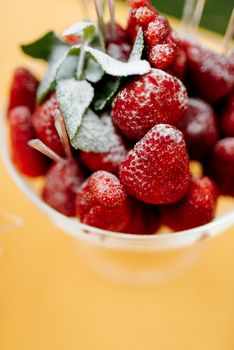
x=125, y=258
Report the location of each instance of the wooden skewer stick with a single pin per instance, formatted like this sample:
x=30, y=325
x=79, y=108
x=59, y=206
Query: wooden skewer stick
x=187, y=15
x=229, y=34
x=41, y=147
x=192, y=13
x=101, y=25
x=111, y=5
x=197, y=15
x=62, y=132
x=85, y=6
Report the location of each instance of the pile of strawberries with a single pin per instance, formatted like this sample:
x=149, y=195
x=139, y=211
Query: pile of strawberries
x=144, y=180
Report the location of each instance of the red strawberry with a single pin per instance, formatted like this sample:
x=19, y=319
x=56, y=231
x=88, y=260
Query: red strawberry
x=199, y=128
x=139, y=3
x=29, y=161
x=156, y=170
x=102, y=202
x=108, y=161
x=23, y=89
x=157, y=31
x=137, y=17
x=120, y=52
x=61, y=183
x=117, y=42
x=221, y=166
x=179, y=66
x=145, y=219
x=144, y=15
x=210, y=74
x=43, y=121
x=195, y=209
x=151, y=99
x=117, y=35
x=162, y=56
x=227, y=120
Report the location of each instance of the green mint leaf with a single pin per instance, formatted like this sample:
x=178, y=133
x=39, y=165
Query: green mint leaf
x=138, y=46
x=117, y=68
x=43, y=47
x=74, y=98
x=93, y=72
x=104, y=96
x=86, y=30
x=95, y=134
x=62, y=65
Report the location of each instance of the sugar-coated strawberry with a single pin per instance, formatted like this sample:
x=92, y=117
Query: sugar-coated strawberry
x=61, y=184
x=195, y=209
x=199, y=128
x=179, y=66
x=120, y=52
x=23, y=89
x=145, y=219
x=115, y=34
x=154, y=98
x=139, y=3
x=117, y=42
x=221, y=166
x=156, y=170
x=144, y=15
x=227, y=120
x=210, y=74
x=108, y=161
x=43, y=121
x=134, y=21
x=162, y=56
x=27, y=160
x=157, y=31
x=102, y=202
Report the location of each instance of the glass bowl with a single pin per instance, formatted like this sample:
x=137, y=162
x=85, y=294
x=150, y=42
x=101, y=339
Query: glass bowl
x=126, y=258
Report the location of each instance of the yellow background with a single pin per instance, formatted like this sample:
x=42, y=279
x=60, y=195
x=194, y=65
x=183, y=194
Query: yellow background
x=50, y=301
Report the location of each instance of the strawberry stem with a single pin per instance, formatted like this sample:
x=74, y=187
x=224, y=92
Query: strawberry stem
x=62, y=132
x=41, y=147
x=227, y=41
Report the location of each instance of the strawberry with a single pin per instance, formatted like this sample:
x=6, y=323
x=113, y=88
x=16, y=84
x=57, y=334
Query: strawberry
x=43, y=121
x=151, y=99
x=29, y=161
x=137, y=17
x=145, y=219
x=156, y=170
x=61, y=183
x=23, y=89
x=221, y=166
x=108, y=161
x=195, y=209
x=102, y=202
x=210, y=74
x=162, y=56
x=157, y=31
x=199, y=128
x=117, y=42
x=139, y=3
x=227, y=120
x=144, y=15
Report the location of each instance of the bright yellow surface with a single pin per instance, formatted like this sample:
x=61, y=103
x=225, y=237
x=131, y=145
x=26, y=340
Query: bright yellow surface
x=50, y=301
